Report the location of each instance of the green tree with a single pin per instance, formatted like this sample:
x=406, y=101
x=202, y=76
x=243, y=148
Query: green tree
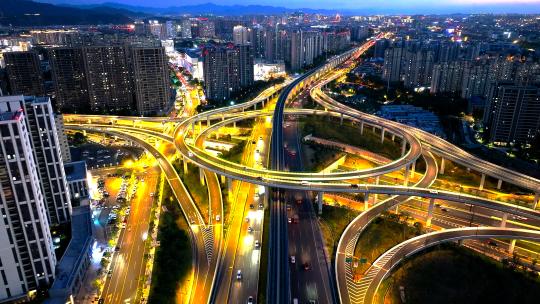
x=79, y=138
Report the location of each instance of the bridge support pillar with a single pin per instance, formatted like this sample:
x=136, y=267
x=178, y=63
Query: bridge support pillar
x=320, y=196
x=255, y=106
x=266, y=195
x=374, y=129
x=406, y=176
x=234, y=124
x=184, y=161
x=208, y=122
x=503, y=220
x=536, y=198
x=430, y=212
x=229, y=186
x=382, y=135
x=361, y=127
x=403, y=146
x=229, y=189
x=263, y=102
x=413, y=168
x=223, y=179
x=366, y=201
x=341, y=119
x=376, y=195
x=511, y=247
x=201, y=176
x=499, y=184
x=482, y=180
x=84, y=132
x=393, y=137
x=441, y=170
x=222, y=117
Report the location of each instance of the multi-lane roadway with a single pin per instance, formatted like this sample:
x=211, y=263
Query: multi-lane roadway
x=285, y=282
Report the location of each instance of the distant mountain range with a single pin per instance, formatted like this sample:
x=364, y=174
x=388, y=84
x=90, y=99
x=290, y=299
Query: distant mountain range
x=29, y=13
x=207, y=9
x=32, y=13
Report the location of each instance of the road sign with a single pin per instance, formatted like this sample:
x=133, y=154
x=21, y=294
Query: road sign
x=363, y=260
x=348, y=259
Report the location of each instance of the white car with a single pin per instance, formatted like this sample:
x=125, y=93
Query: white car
x=239, y=275
x=293, y=259
x=257, y=244
x=218, y=217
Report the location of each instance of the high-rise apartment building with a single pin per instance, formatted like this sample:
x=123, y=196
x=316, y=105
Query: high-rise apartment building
x=270, y=45
x=447, y=52
x=227, y=68
x=158, y=29
x=185, y=28
x=69, y=78
x=477, y=79
x=417, y=67
x=151, y=79
x=305, y=46
x=245, y=57
x=277, y=45
x=62, y=138
x=109, y=80
x=380, y=47
x=512, y=114
x=27, y=255
x=203, y=28
x=241, y=35
x=41, y=128
x=257, y=41
x=56, y=36
x=447, y=77
x=170, y=27
x=392, y=64
x=217, y=74
x=24, y=73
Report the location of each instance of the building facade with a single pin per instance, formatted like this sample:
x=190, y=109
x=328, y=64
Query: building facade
x=40, y=123
x=62, y=138
x=24, y=73
x=151, y=80
x=69, y=78
x=27, y=253
x=241, y=35
x=227, y=69
x=76, y=175
x=108, y=75
x=512, y=114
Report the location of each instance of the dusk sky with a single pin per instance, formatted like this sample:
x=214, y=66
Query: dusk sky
x=425, y=5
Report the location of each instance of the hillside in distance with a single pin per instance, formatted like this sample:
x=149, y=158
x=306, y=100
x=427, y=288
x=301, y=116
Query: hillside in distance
x=30, y=13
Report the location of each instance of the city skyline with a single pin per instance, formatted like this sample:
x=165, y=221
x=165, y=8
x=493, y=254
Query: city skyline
x=365, y=7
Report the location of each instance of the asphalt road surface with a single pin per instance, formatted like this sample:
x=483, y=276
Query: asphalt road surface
x=127, y=265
